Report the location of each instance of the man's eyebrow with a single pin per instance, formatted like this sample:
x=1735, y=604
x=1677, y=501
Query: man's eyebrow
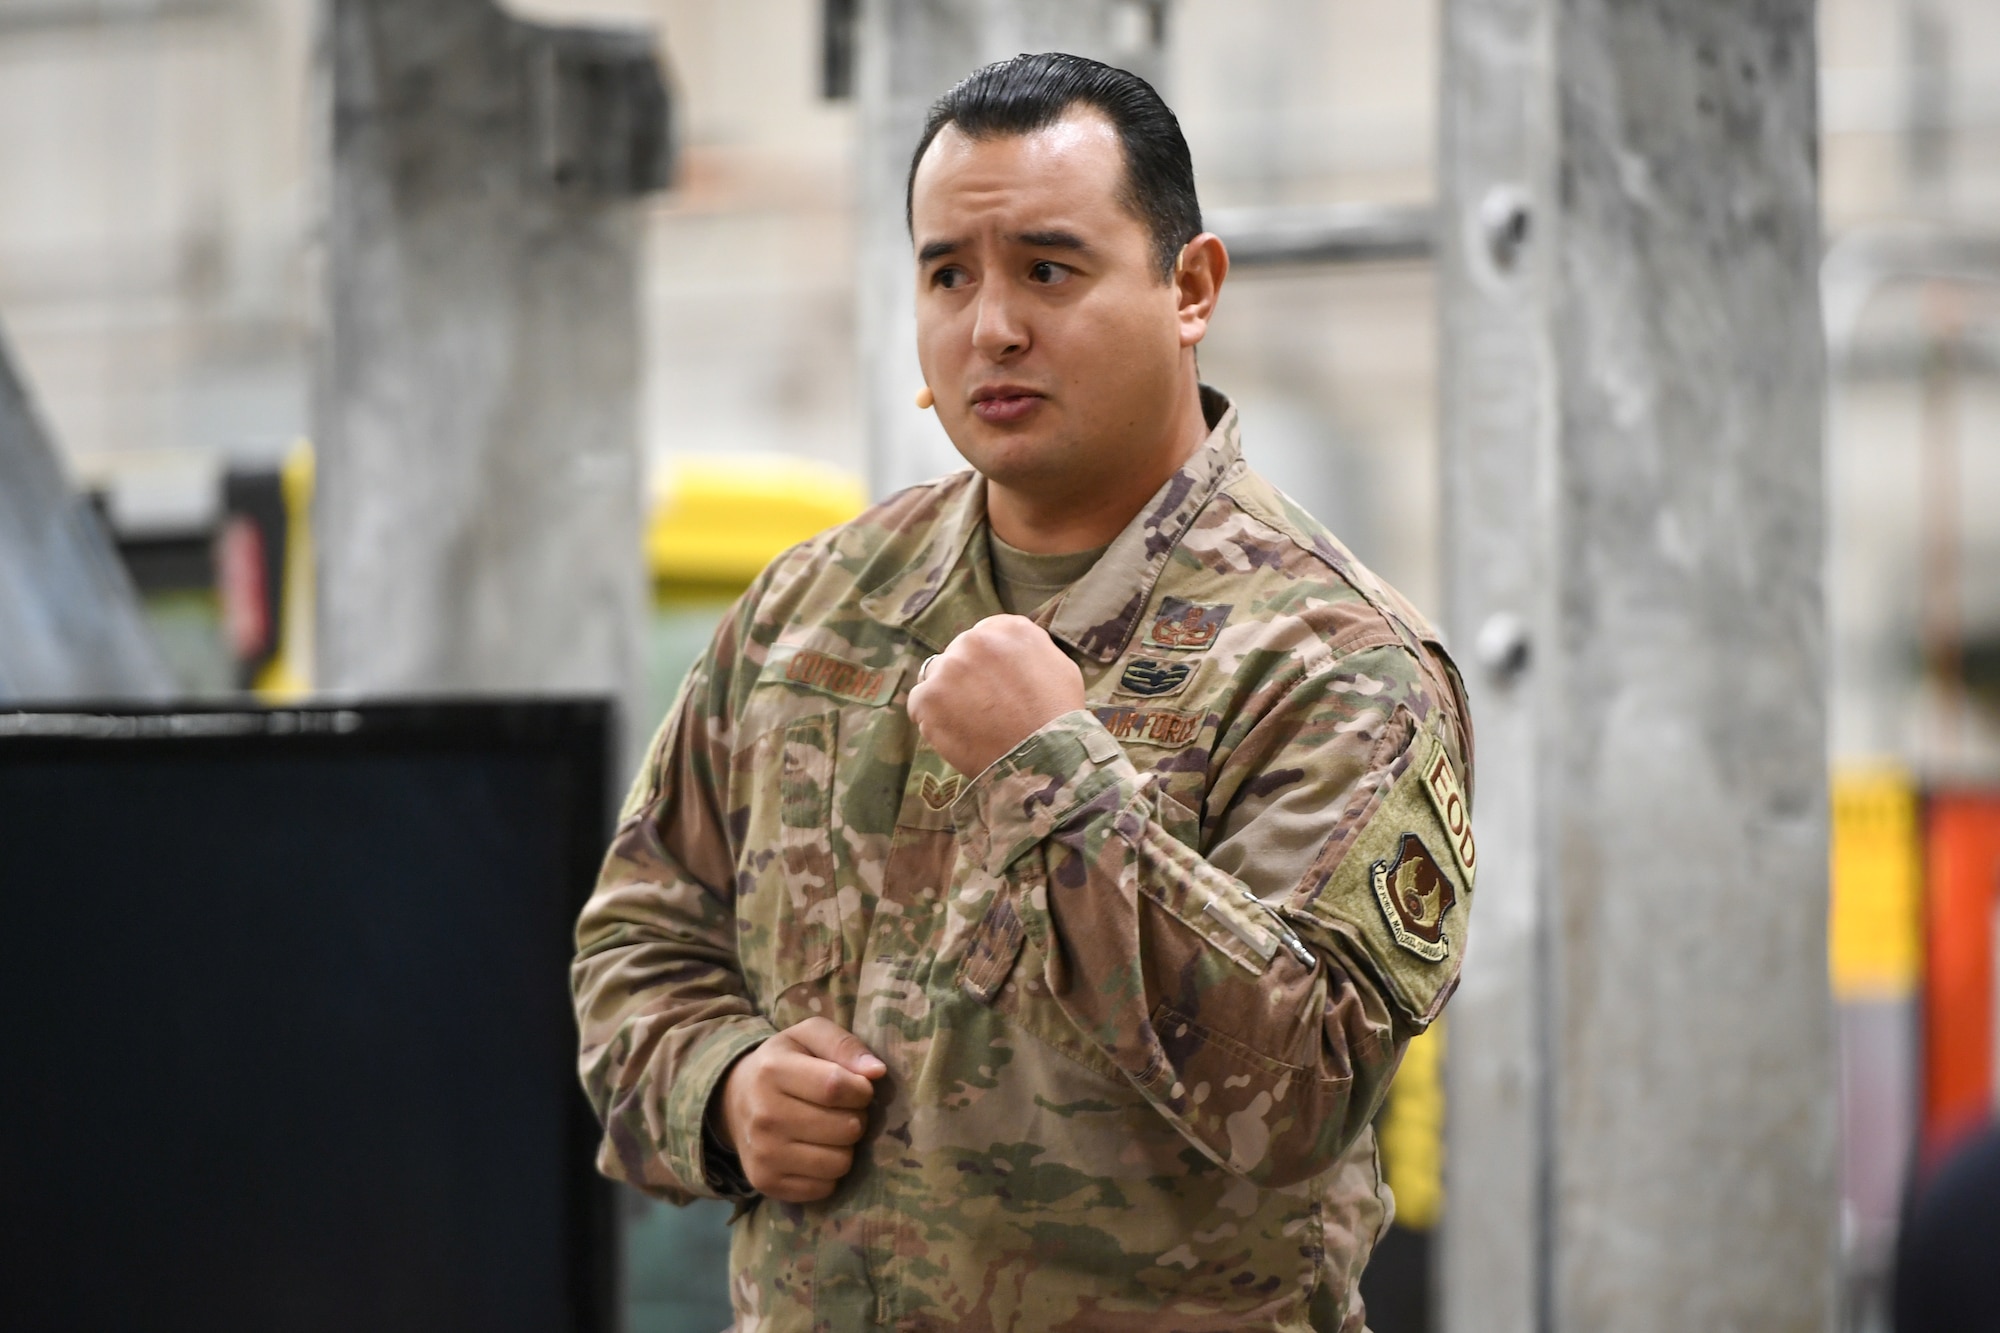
x=1039, y=240
x=1053, y=241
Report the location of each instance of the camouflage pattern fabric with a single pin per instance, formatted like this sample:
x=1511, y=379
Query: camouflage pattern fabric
x=1140, y=986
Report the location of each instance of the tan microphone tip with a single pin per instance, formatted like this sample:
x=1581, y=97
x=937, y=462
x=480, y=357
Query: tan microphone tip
x=925, y=398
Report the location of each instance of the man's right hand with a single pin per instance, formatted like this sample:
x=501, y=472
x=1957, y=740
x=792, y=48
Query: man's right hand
x=793, y=1109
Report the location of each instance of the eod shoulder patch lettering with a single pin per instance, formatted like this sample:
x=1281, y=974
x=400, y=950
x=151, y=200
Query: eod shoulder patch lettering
x=1441, y=783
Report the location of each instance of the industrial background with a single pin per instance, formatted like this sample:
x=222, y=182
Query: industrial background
x=389, y=348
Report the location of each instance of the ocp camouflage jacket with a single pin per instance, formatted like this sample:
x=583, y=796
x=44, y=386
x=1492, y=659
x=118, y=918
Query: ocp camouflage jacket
x=1140, y=986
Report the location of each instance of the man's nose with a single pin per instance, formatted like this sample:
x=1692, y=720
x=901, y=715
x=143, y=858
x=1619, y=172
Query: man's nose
x=998, y=332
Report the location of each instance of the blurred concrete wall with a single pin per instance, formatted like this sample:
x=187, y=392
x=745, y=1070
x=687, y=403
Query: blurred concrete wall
x=70, y=625
x=1642, y=1085
x=479, y=378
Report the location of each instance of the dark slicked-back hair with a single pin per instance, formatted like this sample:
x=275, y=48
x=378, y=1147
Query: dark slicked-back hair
x=1032, y=92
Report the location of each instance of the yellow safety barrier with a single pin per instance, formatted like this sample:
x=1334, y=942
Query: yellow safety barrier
x=718, y=521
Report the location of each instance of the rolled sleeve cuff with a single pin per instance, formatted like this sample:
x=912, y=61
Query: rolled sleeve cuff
x=1040, y=785
x=687, y=1144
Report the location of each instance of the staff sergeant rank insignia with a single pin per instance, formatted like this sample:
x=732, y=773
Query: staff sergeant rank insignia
x=938, y=794
x=1415, y=895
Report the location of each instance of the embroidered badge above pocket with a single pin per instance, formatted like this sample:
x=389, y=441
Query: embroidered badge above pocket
x=1150, y=679
x=1185, y=626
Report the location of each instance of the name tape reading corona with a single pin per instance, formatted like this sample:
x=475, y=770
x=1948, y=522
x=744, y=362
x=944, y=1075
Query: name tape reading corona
x=824, y=673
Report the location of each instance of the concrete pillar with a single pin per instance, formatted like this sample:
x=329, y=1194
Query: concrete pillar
x=1641, y=1081
x=70, y=623
x=480, y=489
x=910, y=52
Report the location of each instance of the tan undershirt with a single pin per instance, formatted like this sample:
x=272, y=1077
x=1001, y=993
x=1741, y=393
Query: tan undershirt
x=1027, y=582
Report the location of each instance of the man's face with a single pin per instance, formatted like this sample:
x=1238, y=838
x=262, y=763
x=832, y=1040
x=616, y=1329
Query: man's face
x=1044, y=327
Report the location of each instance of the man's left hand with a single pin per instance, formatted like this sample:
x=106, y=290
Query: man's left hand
x=996, y=685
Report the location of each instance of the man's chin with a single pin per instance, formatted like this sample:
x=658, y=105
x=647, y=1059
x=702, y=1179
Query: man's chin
x=1007, y=455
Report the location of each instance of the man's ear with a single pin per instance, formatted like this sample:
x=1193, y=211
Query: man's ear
x=1197, y=281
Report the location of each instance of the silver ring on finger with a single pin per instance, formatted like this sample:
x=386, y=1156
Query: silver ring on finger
x=925, y=669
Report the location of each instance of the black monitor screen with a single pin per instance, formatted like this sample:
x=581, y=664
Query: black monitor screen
x=285, y=1038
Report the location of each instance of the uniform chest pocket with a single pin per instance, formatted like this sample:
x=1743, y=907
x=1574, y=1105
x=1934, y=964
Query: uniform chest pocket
x=788, y=904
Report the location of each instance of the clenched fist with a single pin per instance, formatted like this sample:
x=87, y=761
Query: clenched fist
x=996, y=685
x=793, y=1109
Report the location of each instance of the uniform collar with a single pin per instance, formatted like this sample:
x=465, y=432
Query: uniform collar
x=949, y=587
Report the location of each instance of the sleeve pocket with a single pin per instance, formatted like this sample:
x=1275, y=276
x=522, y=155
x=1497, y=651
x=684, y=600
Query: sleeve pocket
x=808, y=936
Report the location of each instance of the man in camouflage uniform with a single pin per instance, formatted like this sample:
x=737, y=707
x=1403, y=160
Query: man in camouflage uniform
x=1042, y=971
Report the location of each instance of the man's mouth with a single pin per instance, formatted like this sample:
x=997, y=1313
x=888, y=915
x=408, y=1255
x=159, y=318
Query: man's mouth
x=1003, y=403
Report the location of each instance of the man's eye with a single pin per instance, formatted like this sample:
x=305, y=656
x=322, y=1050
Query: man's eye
x=1047, y=272
x=948, y=278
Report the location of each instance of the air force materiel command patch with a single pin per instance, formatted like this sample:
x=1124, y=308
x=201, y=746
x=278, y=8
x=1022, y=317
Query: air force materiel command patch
x=1415, y=895
x=1453, y=811
x=1148, y=678
x=1184, y=626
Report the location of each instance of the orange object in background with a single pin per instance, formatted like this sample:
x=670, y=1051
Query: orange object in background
x=1962, y=846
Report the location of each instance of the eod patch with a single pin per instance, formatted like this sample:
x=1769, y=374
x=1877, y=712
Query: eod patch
x=1441, y=783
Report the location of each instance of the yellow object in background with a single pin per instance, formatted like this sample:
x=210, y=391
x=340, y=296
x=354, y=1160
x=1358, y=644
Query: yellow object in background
x=718, y=521
x=287, y=677
x=1874, y=948
x=1413, y=1132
